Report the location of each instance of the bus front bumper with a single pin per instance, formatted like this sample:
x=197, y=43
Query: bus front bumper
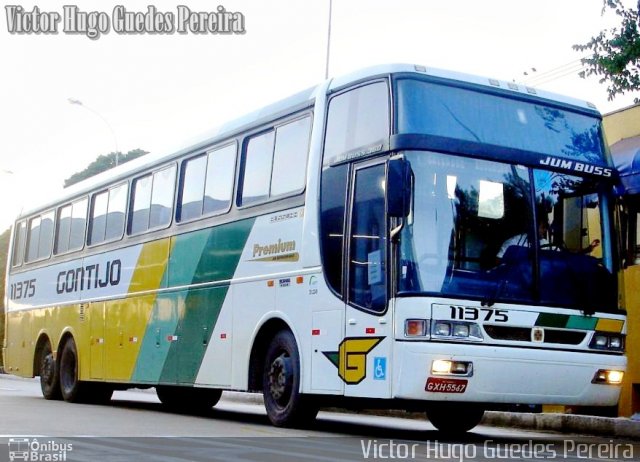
x=505, y=375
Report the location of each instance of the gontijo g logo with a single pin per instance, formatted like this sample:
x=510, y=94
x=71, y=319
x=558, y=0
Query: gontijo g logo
x=351, y=358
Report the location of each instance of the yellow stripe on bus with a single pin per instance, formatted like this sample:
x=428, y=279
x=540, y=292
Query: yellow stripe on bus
x=151, y=266
x=610, y=325
x=128, y=318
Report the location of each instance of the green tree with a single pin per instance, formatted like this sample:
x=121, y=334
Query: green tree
x=103, y=163
x=615, y=53
x=4, y=249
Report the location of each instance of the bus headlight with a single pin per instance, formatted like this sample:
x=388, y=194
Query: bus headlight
x=442, y=329
x=456, y=330
x=607, y=341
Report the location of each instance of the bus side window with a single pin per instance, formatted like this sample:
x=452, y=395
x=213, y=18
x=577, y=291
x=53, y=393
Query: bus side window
x=164, y=183
x=63, y=229
x=357, y=118
x=108, y=210
x=290, y=157
x=152, y=200
x=70, y=226
x=192, y=188
x=275, y=162
x=18, y=243
x=40, y=237
x=367, y=269
x=218, y=191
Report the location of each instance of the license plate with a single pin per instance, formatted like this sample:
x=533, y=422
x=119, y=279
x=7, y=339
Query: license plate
x=440, y=385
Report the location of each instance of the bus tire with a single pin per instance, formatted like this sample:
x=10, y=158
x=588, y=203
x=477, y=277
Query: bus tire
x=285, y=405
x=454, y=418
x=188, y=399
x=72, y=389
x=48, y=372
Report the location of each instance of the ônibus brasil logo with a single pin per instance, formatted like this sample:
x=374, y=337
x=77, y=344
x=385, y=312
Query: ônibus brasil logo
x=32, y=450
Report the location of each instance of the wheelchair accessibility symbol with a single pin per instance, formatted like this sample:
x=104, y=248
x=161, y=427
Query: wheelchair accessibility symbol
x=379, y=368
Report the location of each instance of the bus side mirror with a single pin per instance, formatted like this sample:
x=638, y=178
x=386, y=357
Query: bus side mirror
x=399, y=187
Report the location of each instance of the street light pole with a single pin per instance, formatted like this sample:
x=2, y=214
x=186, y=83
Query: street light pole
x=326, y=70
x=77, y=102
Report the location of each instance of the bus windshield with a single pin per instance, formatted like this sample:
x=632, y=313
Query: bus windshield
x=473, y=222
x=435, y=109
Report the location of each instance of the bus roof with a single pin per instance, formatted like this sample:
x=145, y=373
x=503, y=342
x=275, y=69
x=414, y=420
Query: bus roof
x=297, y=101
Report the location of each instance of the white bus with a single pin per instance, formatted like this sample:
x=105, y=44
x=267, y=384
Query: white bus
x=362, y=243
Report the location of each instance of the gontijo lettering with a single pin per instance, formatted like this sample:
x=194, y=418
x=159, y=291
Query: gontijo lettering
x=89, y=277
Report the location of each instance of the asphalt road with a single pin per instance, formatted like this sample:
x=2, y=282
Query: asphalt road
x=135, y=427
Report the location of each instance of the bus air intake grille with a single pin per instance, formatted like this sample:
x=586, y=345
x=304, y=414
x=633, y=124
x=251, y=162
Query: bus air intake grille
x=518, y=334
x=523, y=334
x=565, y=337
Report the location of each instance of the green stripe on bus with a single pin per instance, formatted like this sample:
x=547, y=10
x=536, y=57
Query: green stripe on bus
x=163, y=322
x=181, y=324
x=552, y=320
x=157, y=339
x=218, y=262
x=582, y=322
x=563, y=321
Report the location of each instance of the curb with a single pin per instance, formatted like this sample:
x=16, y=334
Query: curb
x=619, y=427
x=566, y=423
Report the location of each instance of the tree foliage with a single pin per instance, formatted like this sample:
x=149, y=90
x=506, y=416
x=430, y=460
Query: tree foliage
x=103, y=163
x=615, y=53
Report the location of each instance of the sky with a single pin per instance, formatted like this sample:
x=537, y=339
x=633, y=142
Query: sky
x=155, y=91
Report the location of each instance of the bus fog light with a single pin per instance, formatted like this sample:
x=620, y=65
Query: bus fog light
x=415, y=327
x=460, y=368
x=440, y=366
x=608, y=377
x=446, y=367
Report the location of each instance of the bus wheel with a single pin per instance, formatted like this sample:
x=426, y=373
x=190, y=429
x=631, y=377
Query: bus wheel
x=188, y=398
x=48, y=371
x=285, y=405
x=70, y=386
x=454, y=417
